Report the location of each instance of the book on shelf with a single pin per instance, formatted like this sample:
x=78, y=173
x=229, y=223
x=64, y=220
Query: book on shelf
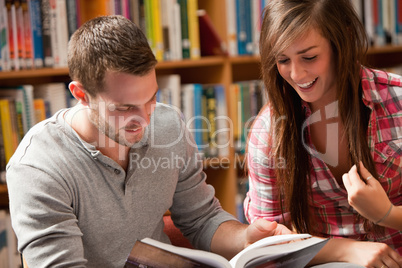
x=167, y=31
x=210, y=41
x=12, y=34
x=185, y=41
x=20, y=56
x=231, y=28
x=9, y=255
x=47, y=33
x=256, y=22
x=7, y=128
x=235, y=111
x=246, y=100
x=14, y=117
x=398, y=21
x=3, y=240
x=3, y=161
x=169, y=89
x=211, y=148
x=222, y=136
x=40, y=109
x=193, y=29
x=191, y=106
x=294, y=250
x=34, y=7
x=157, y=29
x=61, y=32
x=53, y=93
x=149, y=27
x=89, y=9
x=244, y=29
x=29, y=60
x=72, y=14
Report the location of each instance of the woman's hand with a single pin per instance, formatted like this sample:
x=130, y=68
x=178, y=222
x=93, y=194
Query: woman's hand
x=367, y=254
x=373, y=254
x=369, y=199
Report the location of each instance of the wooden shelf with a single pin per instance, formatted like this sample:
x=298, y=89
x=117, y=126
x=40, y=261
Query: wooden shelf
x=42, y=72
x=202, y=62
x=3, y=196
x=384, y=49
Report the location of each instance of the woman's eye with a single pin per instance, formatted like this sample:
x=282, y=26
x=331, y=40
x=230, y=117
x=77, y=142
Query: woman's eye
x=283, y=61
x=310, y=58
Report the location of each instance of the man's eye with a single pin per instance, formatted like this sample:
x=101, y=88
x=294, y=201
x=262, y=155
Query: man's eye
x=113, y=107
x=123, y=108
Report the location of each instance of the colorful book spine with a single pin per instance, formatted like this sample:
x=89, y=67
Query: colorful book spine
x=3, y=162
x=62, y=31
x=177, y=51
x=14, y=123
x=222, y=122
x=379, y=33
x=36, y=32
x=29, y=60
x=90, y=9
x=125, y=9
x=157, y=29
x=12, y=34
x=398, y=18
x=135, y=11
x=5, y=64
x=209, y=92
x=20, y=56
x=19, y=116
x=244, y=39
x=149, y=24
x=6, y=128
x=210, y=41
x=40, y=109
x=117, y=7
x=193, y=29
x=185, y=42
x=71, y=7
x=47, y=33
x=198, y=120
x=231, y=21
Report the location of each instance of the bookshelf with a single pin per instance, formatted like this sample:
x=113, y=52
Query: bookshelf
x=212, y=69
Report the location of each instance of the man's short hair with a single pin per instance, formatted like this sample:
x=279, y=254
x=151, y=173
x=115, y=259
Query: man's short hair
x=108, y=43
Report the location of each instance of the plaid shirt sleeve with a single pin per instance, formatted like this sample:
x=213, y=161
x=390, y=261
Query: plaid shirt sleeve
x=262, y=200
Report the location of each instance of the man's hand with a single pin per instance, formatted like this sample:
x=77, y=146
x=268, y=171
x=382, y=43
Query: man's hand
x=262, y=228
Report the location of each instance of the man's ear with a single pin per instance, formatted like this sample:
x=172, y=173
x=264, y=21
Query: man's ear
x=78, y=92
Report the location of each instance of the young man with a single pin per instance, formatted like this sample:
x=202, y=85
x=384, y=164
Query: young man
x=84, y=184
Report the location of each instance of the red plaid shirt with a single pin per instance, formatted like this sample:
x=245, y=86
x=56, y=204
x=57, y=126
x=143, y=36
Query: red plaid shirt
x=382, y=92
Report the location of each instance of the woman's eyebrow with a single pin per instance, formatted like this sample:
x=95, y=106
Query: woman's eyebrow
x=305, y=50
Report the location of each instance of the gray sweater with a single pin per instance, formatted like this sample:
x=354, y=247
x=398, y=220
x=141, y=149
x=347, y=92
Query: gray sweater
x=72, y=206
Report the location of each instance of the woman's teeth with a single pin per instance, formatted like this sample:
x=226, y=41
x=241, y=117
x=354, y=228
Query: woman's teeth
x=307, y=85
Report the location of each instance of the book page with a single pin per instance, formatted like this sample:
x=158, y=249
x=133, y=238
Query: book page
x=205, y=257
x=293, y=254
x=267, y=241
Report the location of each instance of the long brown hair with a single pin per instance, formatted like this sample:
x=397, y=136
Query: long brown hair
x=284, y=22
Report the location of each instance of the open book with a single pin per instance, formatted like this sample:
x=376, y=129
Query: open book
x=294, y=250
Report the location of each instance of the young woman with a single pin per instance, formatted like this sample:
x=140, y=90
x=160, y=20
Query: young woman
x=326, y=113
